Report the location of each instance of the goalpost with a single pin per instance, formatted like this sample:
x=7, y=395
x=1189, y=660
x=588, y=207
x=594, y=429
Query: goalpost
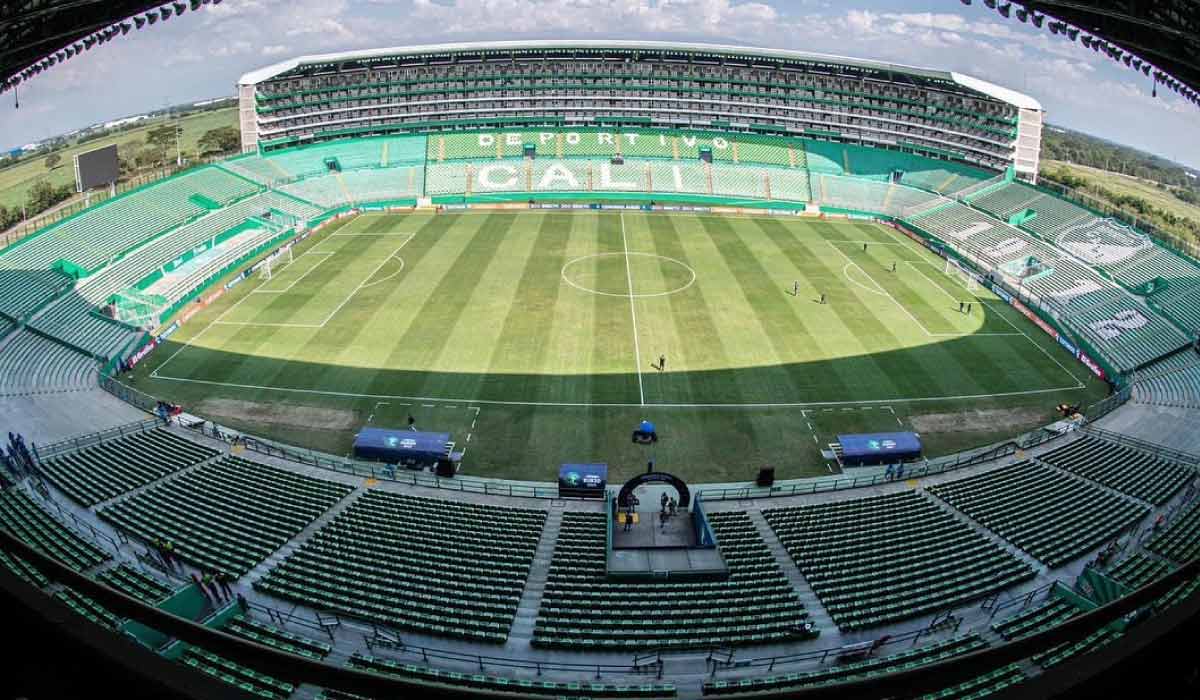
x=269, y=263
x=964, y=277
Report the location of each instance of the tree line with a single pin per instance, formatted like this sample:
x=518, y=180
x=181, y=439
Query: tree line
x=157, y=150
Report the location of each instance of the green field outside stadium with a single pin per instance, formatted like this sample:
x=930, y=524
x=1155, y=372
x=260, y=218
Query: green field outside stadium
x=535, y=338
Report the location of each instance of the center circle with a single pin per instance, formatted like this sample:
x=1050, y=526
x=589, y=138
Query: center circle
x=611, y=274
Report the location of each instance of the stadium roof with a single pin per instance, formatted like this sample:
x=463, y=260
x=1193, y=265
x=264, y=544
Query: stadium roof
x=33, y=32
x=1000, y=93
x=1164, y=33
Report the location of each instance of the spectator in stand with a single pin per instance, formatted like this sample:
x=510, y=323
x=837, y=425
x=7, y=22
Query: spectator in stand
x=200, y=585
x=223, y=579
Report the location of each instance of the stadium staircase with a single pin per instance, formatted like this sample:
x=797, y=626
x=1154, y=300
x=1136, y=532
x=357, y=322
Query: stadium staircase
x=522, y=630
x=808, y=598
x=279, y=555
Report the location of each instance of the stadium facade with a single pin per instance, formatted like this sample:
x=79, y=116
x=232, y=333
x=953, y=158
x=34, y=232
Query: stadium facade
x=643, y=84
x=1000, y=569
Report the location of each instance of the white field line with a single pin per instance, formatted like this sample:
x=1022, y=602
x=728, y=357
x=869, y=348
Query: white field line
x=363, y=284
x=1039, y=347
x=487, y=402
x=637, y=349
x=908, y=313
x=385, y=279
x=322, y=254
x=940, y=288
x=196, y=337
x=219, y=320
x=860, y=285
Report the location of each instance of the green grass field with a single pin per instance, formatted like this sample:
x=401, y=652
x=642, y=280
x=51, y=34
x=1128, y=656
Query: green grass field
x=535, y=339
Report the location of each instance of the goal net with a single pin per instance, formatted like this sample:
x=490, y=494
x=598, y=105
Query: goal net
x=137, y=308
x=964, y=276
x=277, y=261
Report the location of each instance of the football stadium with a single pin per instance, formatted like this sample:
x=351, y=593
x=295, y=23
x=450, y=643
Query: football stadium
x=599, y=368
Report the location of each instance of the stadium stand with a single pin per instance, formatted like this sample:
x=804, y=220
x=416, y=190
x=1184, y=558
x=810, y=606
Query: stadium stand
x=94, y=237
x=1130, y=335
x=26, y=519
x=867, y=195
x=272, y=636
x=1125, y=469
x=107, y=470
x=582, y=611
x=867, y=668
x=484, y=682
x=1171, y=381
x=75, y=321
x=1006, y=200
x=1036, y=619
x=22, y=292
x=879, y=560
x=407, y=562
x=249, y=680
x=1065, y=652
x=228, y=515
x=233, y=673
x=24, y=570
x=31, y=364
x=1180, y=541
x=88, y=608
x=135, y=583
x=1054, y=517
x=1137, y=570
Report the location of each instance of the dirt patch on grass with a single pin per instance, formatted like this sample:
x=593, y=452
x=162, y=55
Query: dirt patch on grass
x=310, y=417
x=994, y=419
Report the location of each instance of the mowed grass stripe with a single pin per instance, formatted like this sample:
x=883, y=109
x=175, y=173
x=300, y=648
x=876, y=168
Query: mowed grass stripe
x=302, y=354
x=267, y=355
x=468, y=353
x=338, y=357
x=995, y=363
x=614, y=361
x=437, y=309
x=580, y=363
x=826, y=335
x=891, y=341
x=364, y=334
x=699, y=349
x=316, y=296
x=764, y=322
x=959, y=365
x=853, y=337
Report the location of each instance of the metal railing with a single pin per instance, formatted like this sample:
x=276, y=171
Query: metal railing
x=1188, y=458
x=428, y=655
x=467, y=484
x=74, y=444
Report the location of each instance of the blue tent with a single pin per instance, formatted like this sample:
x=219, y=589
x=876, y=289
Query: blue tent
x=879, y=448
x=406, y=447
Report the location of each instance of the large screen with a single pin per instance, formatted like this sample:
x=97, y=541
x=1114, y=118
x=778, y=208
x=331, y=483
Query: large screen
x=98, y=168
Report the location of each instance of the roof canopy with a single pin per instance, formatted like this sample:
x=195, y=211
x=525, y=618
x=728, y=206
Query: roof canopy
x=701, y=50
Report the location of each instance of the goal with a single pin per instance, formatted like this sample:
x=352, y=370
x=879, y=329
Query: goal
x=270, y=263
x=965, y=277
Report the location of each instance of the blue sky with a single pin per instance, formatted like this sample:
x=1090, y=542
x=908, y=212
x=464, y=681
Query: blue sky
x=201, y=55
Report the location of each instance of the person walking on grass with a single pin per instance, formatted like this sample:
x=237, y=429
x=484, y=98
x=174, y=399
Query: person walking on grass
x=662, y=363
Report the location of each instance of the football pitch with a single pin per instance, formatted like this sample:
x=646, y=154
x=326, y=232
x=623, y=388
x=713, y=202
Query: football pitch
x=543, y=337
